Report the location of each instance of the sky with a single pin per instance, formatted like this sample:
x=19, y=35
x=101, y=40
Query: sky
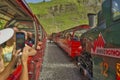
x=35, y=1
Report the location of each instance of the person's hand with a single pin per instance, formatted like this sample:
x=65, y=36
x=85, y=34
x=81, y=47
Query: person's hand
x=31, y=51
x=27, y=51
x=25, y=54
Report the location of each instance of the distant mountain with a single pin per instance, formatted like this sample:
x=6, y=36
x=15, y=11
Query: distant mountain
x=58, y=15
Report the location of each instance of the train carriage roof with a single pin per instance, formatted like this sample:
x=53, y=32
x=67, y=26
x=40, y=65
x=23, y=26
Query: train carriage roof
x=15, y=10
x=79, y=27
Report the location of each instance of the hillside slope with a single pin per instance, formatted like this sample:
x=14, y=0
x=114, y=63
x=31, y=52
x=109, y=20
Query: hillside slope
x=58, y=15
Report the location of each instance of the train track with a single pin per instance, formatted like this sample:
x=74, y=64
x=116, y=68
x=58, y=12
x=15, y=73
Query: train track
x=57, y=65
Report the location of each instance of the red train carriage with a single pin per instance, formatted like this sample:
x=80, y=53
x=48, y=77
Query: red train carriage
x=69, y=40
x=16, y=13
x=101, y=57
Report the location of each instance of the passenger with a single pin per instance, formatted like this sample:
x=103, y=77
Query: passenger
x=8, y=48
x=75, y=38
x=8, y=69
x=39, y=45
x=32, y=51
x=7, y=51
x=30, y=40
x=69, y=36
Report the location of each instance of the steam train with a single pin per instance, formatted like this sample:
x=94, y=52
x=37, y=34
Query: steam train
x=98, y=48
x=100, y=59
x=16, y=13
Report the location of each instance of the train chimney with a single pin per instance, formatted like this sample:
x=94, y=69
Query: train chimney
x=91, y=18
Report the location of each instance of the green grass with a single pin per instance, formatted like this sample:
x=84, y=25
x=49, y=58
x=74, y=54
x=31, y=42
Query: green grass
x=63, y=20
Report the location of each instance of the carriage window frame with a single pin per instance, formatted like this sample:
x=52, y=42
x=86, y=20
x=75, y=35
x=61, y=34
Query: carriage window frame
x=115, y=9
x=40, y=33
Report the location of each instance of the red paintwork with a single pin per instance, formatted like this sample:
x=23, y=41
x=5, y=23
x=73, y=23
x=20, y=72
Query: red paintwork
x=99, y=42
x=25, y=7
x=72, y=47
x=35, y=62
x=118, y=78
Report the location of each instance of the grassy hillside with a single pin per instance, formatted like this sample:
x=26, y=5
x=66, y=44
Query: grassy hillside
x=58, y=15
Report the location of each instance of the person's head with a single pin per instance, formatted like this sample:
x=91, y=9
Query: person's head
x=5, y=35
x=10, y=42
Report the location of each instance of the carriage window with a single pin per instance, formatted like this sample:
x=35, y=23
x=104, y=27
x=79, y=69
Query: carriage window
x=3, y=20
x=78, y=34
x=116, y=9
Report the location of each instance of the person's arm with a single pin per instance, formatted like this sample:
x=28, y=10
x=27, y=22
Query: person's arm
x=8, y=69
x=1, y=64
x=24, y=74
x=27, y=51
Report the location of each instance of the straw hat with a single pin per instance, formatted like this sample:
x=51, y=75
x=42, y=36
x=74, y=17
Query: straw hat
x=6, y=34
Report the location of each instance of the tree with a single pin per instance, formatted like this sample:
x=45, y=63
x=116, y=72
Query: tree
x=2, y=24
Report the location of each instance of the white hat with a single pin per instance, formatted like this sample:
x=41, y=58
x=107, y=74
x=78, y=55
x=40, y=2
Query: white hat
x=6, y=34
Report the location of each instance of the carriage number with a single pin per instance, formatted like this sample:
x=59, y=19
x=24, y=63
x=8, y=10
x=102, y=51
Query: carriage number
x=118, y=69
x=104, y=68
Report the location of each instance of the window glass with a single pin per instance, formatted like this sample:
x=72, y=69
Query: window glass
x=116, y=9
x=101, y=18
x=78, y=34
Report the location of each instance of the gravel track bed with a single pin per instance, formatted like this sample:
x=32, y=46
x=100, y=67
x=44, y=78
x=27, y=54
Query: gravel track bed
x=57, y=65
